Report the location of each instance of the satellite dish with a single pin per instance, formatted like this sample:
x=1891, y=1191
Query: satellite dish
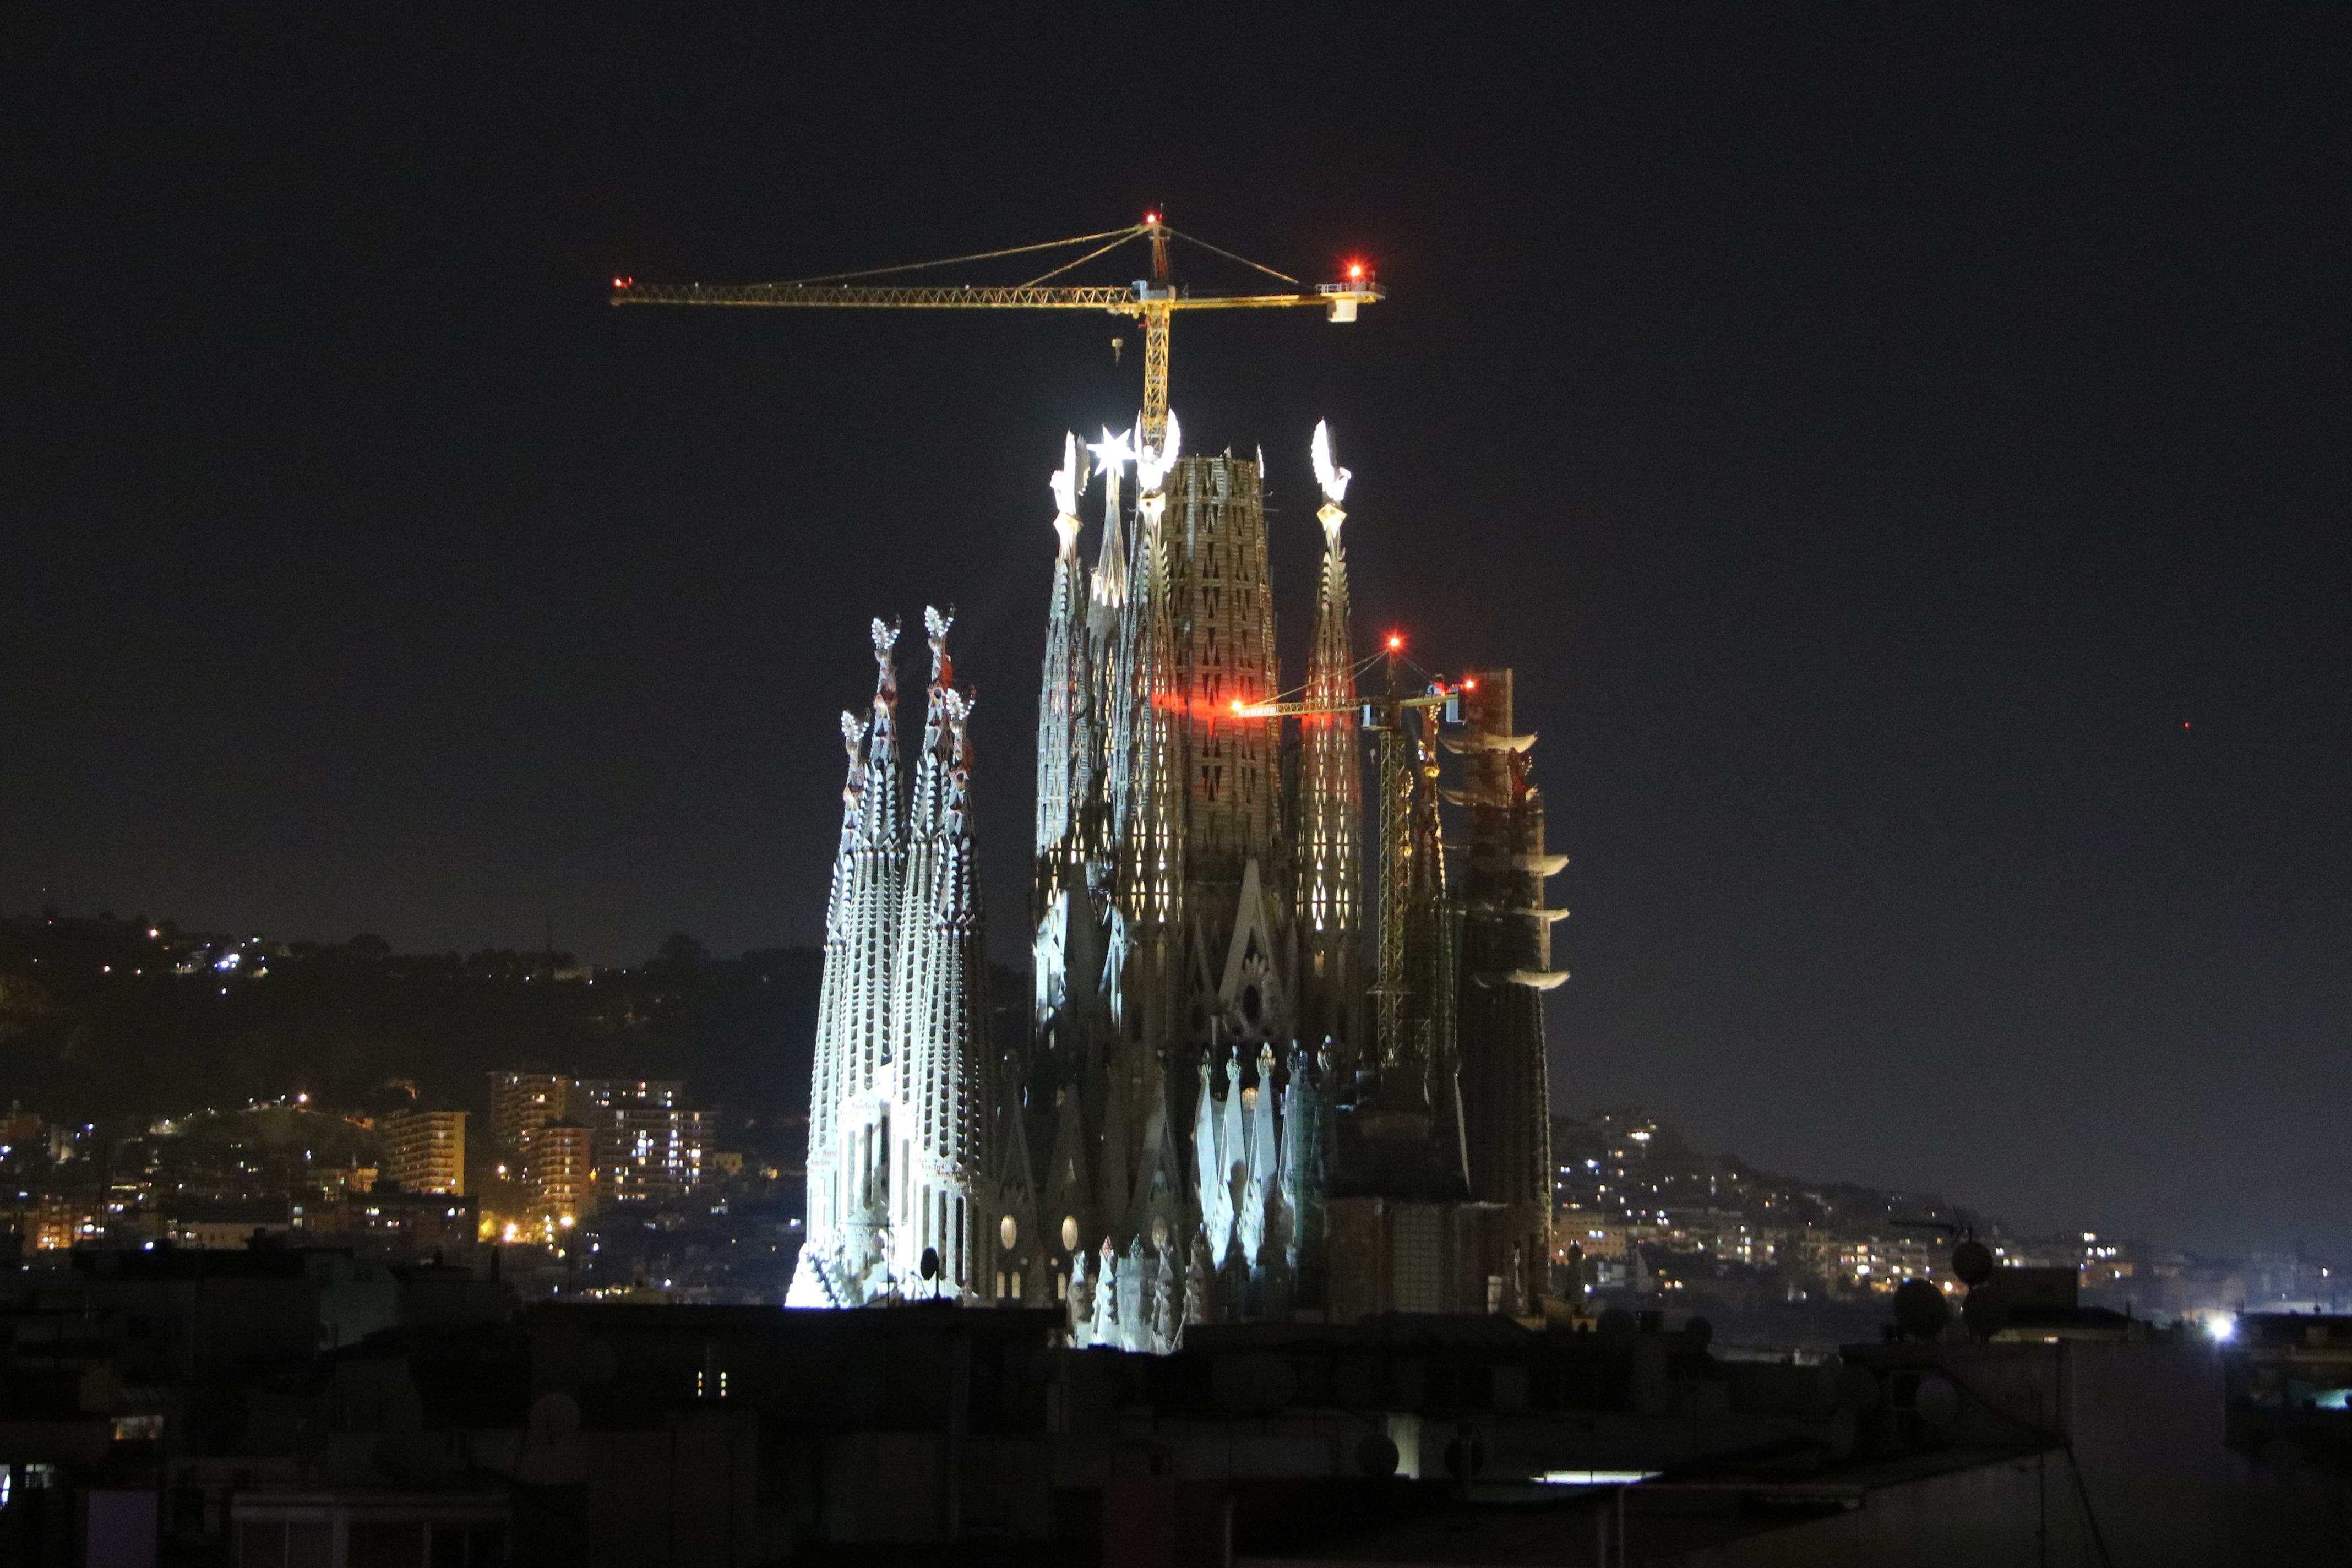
x=1972, y=1262
x=1987, y=1312
x=930, y=1264
x=1920, y=1310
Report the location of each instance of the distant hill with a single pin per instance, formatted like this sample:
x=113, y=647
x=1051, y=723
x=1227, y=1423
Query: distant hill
x=107, y=1019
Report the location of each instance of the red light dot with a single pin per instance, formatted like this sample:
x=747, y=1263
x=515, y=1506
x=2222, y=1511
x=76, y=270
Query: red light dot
x=1395, y=641
x=2184, y=724
x=1469, y=685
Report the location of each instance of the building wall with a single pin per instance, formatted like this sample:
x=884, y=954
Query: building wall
x=424, y=1151
x=564, y=1169
x=521, y=1103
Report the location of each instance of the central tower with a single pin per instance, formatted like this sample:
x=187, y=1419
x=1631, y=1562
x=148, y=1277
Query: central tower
x=1235, y=861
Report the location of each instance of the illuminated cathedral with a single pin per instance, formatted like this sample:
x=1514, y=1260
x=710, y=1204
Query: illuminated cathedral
x=1254, y=1087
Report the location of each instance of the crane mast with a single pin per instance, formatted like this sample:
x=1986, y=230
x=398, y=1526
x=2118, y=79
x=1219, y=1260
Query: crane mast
x=1151, y=303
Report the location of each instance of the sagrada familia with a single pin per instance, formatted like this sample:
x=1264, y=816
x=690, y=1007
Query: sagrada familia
x=1261, y=1090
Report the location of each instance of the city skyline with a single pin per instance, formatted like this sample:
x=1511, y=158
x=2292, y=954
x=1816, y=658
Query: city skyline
x=1912, y=454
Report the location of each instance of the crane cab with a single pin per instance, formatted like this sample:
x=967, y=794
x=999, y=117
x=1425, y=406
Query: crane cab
x=1340, y=300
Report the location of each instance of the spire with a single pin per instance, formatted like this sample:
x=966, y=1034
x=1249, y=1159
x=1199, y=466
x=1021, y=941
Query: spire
x=1061, y=697
x=878, y=862
x=1330, y=786
x=924, y=805
x=1151, y=873
x=1111, y=456
x=938, y=1004
x=853, y=1014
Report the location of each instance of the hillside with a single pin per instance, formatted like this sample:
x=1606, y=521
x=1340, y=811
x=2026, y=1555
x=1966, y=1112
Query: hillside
x=113, y=1020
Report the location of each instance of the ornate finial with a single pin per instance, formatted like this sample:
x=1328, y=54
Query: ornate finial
x=1067, y=480
x=1151, y=468
x=1113, y=453
x=935, y=627
x=1333, y=479
x=852, y=736
x=959, y=705
x=885, y=680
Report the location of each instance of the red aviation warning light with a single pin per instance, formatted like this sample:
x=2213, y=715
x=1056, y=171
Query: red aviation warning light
x=622, y=282
x=1355, y=288
x=1396, y=641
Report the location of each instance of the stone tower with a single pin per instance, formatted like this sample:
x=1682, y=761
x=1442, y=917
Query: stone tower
x=901, y=1098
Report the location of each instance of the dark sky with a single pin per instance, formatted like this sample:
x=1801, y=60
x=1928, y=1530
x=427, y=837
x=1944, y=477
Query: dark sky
x=1876, y=435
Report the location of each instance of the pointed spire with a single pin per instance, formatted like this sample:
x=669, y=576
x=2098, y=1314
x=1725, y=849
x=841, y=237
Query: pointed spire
x=1111, y=454
x=1151, y=874
x=1330, y=786
x=938, y=1004
x=1063, y=749
x=854, y=1037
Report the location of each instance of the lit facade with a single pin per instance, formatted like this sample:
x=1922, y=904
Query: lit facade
x=902, y=1095
x=1223, y=1111
x=424, y=1151
x=563, y=1170
x=521, y=1103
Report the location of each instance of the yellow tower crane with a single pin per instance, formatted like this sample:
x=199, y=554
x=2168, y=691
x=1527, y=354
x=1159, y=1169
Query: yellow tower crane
x=1150, y=302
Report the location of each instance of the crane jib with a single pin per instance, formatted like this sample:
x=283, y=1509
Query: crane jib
x=1147, y=305
x=1119, y=301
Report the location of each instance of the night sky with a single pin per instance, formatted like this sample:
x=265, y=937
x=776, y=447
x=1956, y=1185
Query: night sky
x=1903, y=451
